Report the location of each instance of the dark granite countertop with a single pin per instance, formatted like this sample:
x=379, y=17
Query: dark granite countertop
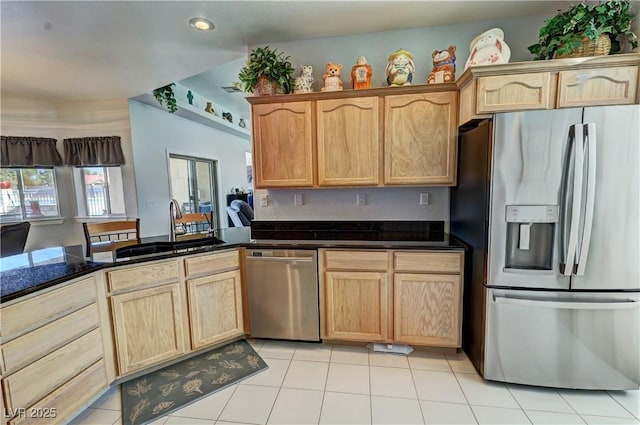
x=26, y=273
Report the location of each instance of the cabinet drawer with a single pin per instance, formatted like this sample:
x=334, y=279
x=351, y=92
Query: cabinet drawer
x=518, y=92
x=133, y=277
x=21, y=317
x=38, y=379
x=69, y=397
x=435, y=262
x=601, y=86
x=27, y=348
x=356, y=260
x=212, y=263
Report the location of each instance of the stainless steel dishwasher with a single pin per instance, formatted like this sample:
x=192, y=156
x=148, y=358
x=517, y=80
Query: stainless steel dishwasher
x=282, y=288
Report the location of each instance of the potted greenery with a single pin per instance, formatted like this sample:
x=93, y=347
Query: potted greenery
x=165, y=94
x=584, y=26
x=267, y=72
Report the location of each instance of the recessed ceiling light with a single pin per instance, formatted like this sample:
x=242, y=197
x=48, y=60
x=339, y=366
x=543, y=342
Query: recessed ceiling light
x=201, y=24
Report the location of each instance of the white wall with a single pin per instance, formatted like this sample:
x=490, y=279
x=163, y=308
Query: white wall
x=33, y=117
x=385, y=203
x=154, y=133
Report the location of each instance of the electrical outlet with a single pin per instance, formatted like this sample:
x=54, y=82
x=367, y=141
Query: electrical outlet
x=297, y=199
x=424, y=198
x=361, y=199
x=264, y=200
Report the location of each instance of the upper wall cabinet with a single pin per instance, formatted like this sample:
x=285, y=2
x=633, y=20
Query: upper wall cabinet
x=373, y=137
x=420, y=139
x=559, y=83
x=283, y=144
x=348, y=142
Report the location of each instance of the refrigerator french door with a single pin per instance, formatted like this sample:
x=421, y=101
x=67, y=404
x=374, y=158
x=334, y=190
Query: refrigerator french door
x=563, y=286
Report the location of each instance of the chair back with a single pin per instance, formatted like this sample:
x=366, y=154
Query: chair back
x=13, y=238
x=194, y=222
x=101, y=234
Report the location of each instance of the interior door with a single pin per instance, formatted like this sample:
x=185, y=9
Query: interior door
x=611, y=261
x=528, y=159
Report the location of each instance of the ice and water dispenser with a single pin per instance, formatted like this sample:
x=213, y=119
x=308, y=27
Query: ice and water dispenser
x=530, y=236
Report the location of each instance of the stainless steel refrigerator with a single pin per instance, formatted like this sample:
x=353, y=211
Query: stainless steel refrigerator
x=549, y=202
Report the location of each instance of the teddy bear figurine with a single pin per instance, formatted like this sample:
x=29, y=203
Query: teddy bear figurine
x=331, y=78
x=444, y=66
x=361, y=74
x=400, y=68
x=304, y=82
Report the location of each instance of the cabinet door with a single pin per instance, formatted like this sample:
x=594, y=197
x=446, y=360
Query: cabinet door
x=356, y=306
x=348, y=141
x=427, y=309
x=420, y=139
x=601, y=86
x=282, y=144
x=148, y=327
x=520, y=92
x=215, y=308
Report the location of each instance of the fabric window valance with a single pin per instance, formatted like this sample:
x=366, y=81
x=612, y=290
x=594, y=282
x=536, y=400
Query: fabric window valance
x=28, y=152
x=87, y=151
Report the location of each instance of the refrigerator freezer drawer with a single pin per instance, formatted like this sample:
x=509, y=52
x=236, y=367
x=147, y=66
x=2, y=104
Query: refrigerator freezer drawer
x=564, y=340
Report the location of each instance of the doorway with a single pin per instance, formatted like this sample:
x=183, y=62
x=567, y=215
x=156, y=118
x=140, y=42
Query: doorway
x=194, y=184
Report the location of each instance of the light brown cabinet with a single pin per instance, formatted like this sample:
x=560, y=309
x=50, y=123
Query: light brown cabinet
x=283, y=145
x=406, y=134
x=348, y=132
x=550, y=84
x=148, y=326
x=420, y=139
x=62, y=335
x=410, y=297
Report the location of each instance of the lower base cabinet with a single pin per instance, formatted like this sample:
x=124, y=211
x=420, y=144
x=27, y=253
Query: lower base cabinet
x=413, y=297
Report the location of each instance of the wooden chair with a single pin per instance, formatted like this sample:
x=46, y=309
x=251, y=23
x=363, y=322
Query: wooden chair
x=110, y=235
x=194, y=223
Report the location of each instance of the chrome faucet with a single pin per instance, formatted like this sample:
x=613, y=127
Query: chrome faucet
x=174, y=212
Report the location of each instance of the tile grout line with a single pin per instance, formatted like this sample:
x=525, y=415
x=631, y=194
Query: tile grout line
x=518, y=403
x=424, y=419
x=622, y=405
x=462, y=390
x=325, y=385
x=281, y=384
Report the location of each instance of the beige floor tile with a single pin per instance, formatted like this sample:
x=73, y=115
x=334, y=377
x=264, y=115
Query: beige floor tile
x=438, y=386
x=296, y=407
x=250, y=404
x=277, y=350
x=177, y=420
x=498, y=415
x=485, y=393
x=97, y=417
x=606, y=420
x=391, y=382
x=348, y=378
x=208, y=407
x=553, y=418
x=460, y=363
x=313, y=352
x=388, y=360
x=111, y=400
x=630, y=400
x=344, y=409
x=391, y=410
x=539, y=398
x=428, y=361
x=350, y=354
x=597, y=403
x=435, y=412
x=271, y=377
x=255, y=343
x=306, y=375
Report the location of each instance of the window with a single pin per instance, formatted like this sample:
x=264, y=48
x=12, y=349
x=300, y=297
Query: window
x=28, y=194
x=193, y=184
x=102, y=191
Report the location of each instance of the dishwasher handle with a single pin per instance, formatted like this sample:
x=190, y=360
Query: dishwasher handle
x=282, y=259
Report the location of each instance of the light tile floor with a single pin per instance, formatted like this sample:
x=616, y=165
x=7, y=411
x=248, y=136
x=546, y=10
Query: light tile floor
x=325, y=384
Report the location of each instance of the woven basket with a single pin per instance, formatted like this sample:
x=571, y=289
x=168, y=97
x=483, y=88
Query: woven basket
x=265, y=87
x=598, y=47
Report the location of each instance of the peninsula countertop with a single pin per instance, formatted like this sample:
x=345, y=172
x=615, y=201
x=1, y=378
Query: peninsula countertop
x=33, y=271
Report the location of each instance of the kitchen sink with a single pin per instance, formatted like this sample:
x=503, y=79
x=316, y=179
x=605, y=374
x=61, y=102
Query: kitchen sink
x=159, y=247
